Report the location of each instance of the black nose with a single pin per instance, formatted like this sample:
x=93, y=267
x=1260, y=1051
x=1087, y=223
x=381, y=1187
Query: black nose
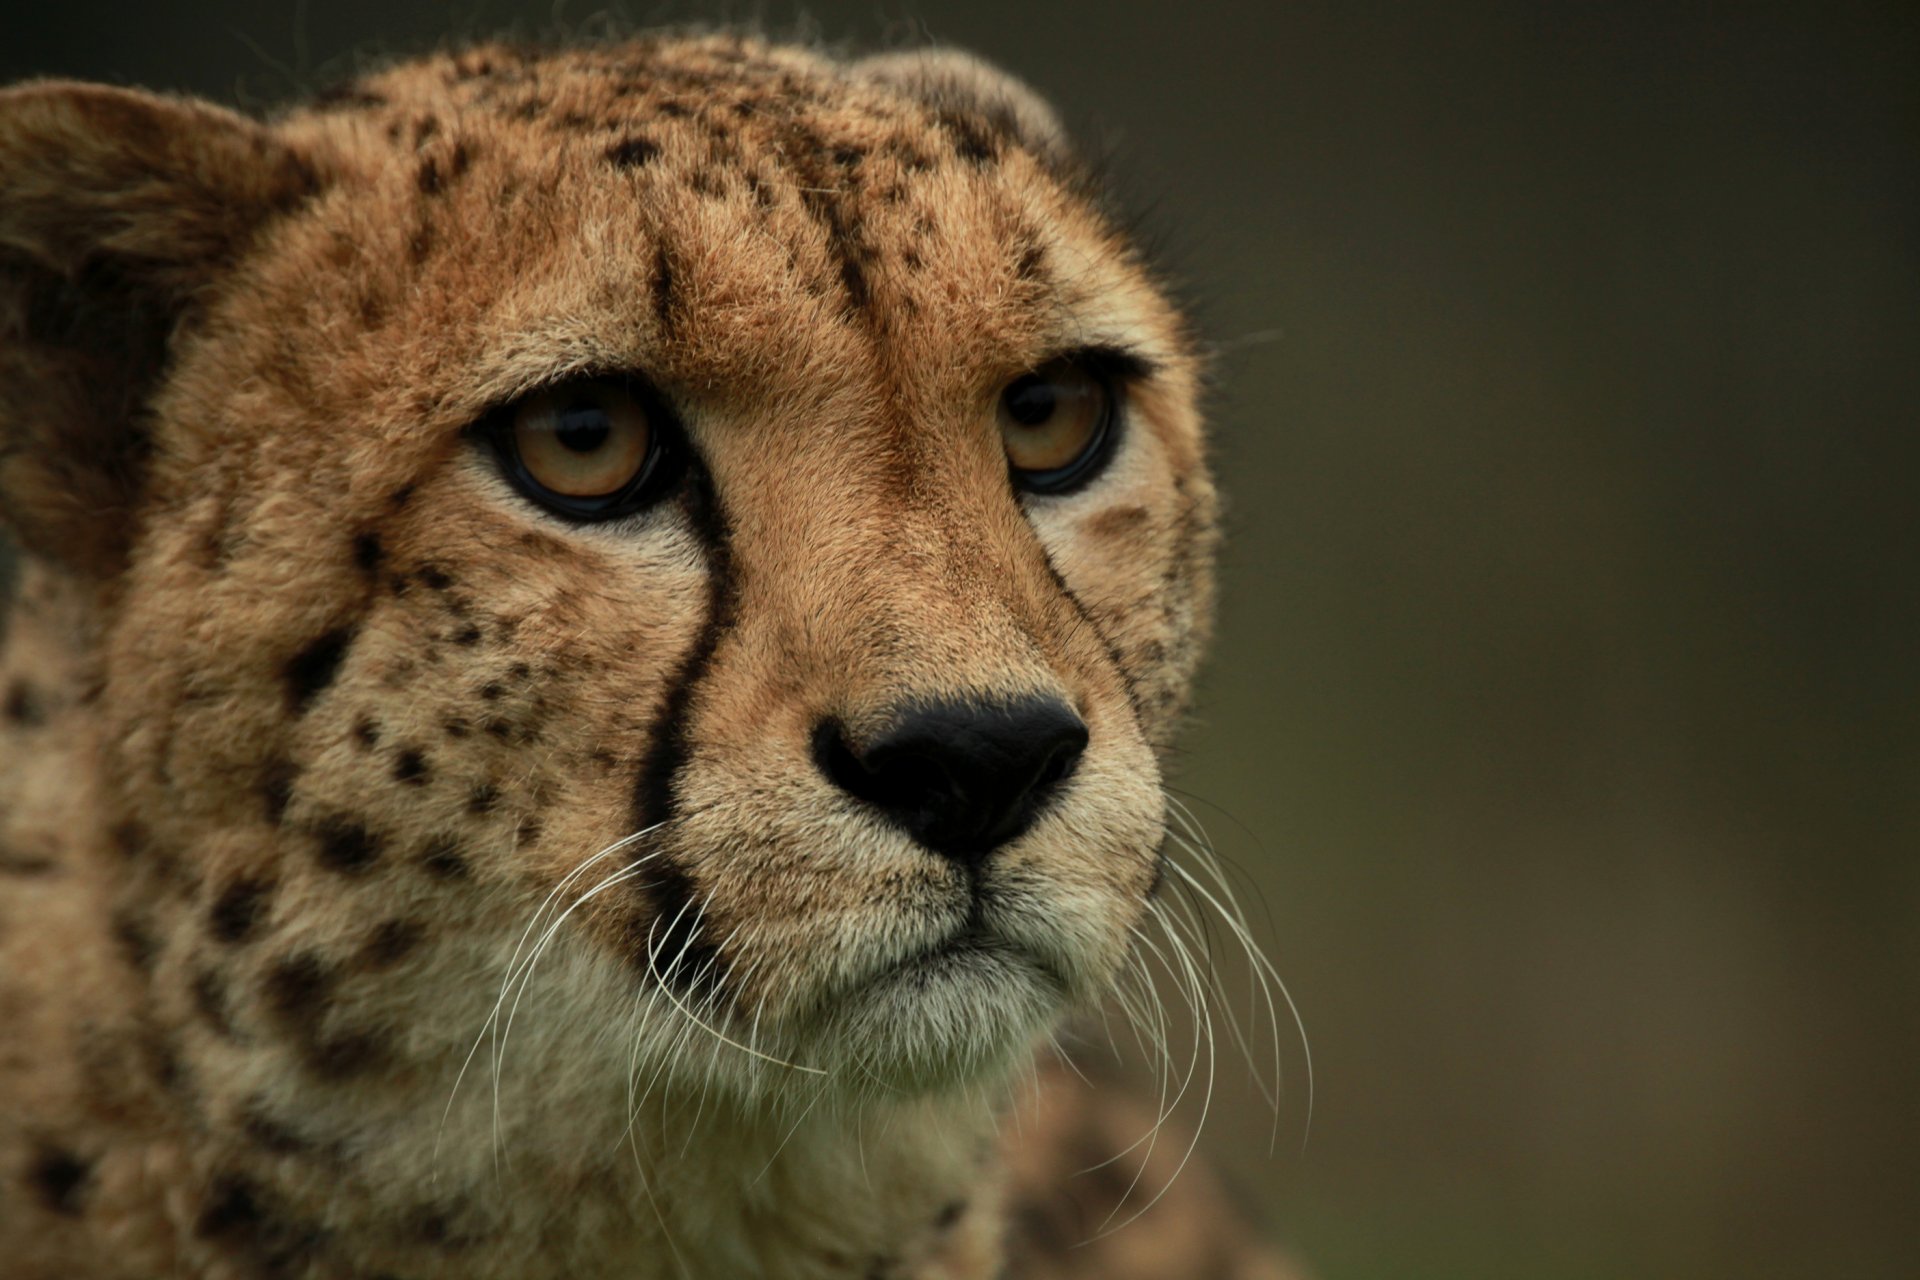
x=962, y=778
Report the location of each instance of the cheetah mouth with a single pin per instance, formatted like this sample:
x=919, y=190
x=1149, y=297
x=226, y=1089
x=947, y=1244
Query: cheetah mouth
x=974, y=947
x=954, y=1009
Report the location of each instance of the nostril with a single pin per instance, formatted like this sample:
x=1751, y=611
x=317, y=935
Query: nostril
x=961, y=778
x=884, y=776
x=1059, y=764
x=836, y=759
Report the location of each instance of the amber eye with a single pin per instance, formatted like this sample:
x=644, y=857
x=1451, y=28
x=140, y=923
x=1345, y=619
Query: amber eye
x=1057, y=425
x=586, y=449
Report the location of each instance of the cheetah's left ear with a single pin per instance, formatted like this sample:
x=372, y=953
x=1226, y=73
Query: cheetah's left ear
x=950, y=80
x=118, y=211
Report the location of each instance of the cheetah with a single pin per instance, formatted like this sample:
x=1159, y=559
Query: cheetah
x=593, y=634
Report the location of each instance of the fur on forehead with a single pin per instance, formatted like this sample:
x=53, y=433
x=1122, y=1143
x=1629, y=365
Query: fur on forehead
x=717, y=212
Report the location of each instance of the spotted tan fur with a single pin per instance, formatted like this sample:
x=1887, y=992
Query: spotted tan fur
x=308, y=713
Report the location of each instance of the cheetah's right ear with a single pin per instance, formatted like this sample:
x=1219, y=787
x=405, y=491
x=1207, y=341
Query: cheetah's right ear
x=118, y=210
x=954, y=81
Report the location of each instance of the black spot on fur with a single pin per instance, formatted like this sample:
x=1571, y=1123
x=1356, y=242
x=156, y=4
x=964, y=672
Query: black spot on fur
x=61, y=1179
x=23, y=706
x=296, y=989
x=366, y=732
x=427, y=177
x=239, y=909
x=854, y=277
x=131, y=839
x=240, y=1217
x=949, y=1214
x=437, y=1227
x=423, y=128
x=530, y=832
x=134, y=935
x=269, y=1133
x=232, y=1206
x=345, y=1055
x=162, y=1062
x=443, y=860
x=209, y=993
x=492, y=691
x=456, y=727
x=973, y=141
x=467, y=635
x=410, y=767
x=429, y=1225
x=391, y=942
x=314, y=667
x=401, y=496
x=1027, y=266
x=16, y=864
x=663, y=288
x=434, y=577
x=632, y=152
x=482, y=797
x=367, y=551
x=347, y=847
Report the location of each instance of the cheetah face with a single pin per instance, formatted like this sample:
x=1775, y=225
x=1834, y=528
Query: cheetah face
x=745, y=529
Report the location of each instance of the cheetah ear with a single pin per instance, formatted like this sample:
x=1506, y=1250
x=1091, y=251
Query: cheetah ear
x=118, y=209
x=951, y=80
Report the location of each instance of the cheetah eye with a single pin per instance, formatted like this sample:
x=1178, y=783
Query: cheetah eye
x=591, y=449
x=1057, y=425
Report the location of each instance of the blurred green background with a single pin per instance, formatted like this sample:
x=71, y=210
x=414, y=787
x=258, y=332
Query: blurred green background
x=1564, y=713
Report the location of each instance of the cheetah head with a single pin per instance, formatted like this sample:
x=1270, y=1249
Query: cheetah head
x=703, y=540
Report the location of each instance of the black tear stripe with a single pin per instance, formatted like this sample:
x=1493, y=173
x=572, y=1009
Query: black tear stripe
x=678, y=957
x=1134, y=702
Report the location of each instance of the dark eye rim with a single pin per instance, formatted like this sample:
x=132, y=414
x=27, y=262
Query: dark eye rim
x=656, y=478
x=1114, y=369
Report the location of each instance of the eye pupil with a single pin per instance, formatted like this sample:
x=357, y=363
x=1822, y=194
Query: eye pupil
x=1031, y=401
x=583, y=428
